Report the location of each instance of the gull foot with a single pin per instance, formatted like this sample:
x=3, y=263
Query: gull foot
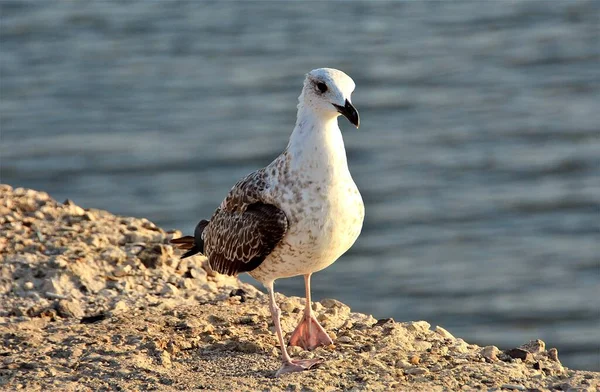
x=309, y=334
x=298, y=365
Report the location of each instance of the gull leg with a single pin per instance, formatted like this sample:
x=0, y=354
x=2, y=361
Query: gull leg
x=288, y=365
x=309, y=334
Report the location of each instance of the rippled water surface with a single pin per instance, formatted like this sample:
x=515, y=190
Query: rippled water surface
x=478, y=154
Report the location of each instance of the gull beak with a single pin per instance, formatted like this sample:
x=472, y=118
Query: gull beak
x=349, y=112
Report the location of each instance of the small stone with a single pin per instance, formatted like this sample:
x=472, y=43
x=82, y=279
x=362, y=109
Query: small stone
x=402, y=364
x=198, y=273
x=514, y=387
x=169, y=290
x=120, y=307
x=460, y=347
x=331, y=303
x=294, y=350
x=28, y=286
x=165, y=358
x=155, y=256
x=518, y=353
x=490, y=352
x=239, y=293
x=415, y=360
x=68, y=309
x=344, y=339
x=249, y=347
x=418, y=326
x=421, y=345
x=553, y=355
x=443, y=333
x=187, y=284
x=113, y=254
x=384, y=322
x=417, y=371
x=534, y=346
x=122, y=270
x=287, y=306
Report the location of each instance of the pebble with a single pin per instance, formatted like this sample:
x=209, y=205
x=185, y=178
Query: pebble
x=514, y=387
x=490, y=352
x=198, y=273
x=165, y=359
x=443, y=333
x=344, y=339
x=69, y=309
x=122, y=270
x=460, y=347
x=418, y=326
x=113, y=254
x=169, y=290
x=187, y=284
x=120, y=307
x=534, y=346
x=519, y=353
x=287, y=306
x=28, y=286
x=417, y=371
x=331, y=303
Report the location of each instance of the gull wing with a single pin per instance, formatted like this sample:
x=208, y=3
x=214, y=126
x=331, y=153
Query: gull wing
x=237, y=242
x=245, y=228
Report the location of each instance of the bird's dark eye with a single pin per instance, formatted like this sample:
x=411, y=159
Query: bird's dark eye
x=322, y=87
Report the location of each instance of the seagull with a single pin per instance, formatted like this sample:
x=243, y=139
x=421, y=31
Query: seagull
x=295, y=216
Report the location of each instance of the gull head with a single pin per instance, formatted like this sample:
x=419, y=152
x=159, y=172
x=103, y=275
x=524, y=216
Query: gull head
x=327, y=92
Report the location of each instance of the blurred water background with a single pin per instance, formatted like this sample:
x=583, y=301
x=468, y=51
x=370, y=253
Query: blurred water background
x=478, y=154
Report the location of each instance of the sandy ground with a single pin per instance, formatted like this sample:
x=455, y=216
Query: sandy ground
x=91, y=301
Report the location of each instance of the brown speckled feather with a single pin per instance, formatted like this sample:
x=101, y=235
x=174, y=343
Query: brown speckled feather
x=244, y=230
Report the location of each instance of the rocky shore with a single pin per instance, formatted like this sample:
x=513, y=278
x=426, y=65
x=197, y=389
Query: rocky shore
x=91, y=301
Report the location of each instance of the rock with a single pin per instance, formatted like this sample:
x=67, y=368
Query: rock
x=122, y=270
x=169, y=290
x=416, y=371
x=514, y=387
x=490, y=353
x=344, y=339
x=553, y=355
x=384, y=322
x=518, y=353
x=287, y=306
x=239, y=293
x=113, y=254
x=187, y=284
x=68, y=309
x=28, y=286
x=198, y=273
x=249, y=347
x=418, y=326
x=165, y=358
x=331, y=303
x=460, y=346
x=443, y=333
x=415, y=360
x=155, y=256
x=119, y=307
x=534, y=346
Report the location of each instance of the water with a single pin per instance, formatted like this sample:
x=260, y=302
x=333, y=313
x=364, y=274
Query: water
x=477, y=156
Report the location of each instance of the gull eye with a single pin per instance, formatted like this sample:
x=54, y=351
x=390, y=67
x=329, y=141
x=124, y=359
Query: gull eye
x=322, y=87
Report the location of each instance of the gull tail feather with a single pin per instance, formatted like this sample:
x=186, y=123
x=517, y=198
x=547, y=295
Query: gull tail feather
x=193, y=245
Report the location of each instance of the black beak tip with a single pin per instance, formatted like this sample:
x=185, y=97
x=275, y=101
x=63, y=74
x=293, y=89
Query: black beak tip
x=350, y=113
